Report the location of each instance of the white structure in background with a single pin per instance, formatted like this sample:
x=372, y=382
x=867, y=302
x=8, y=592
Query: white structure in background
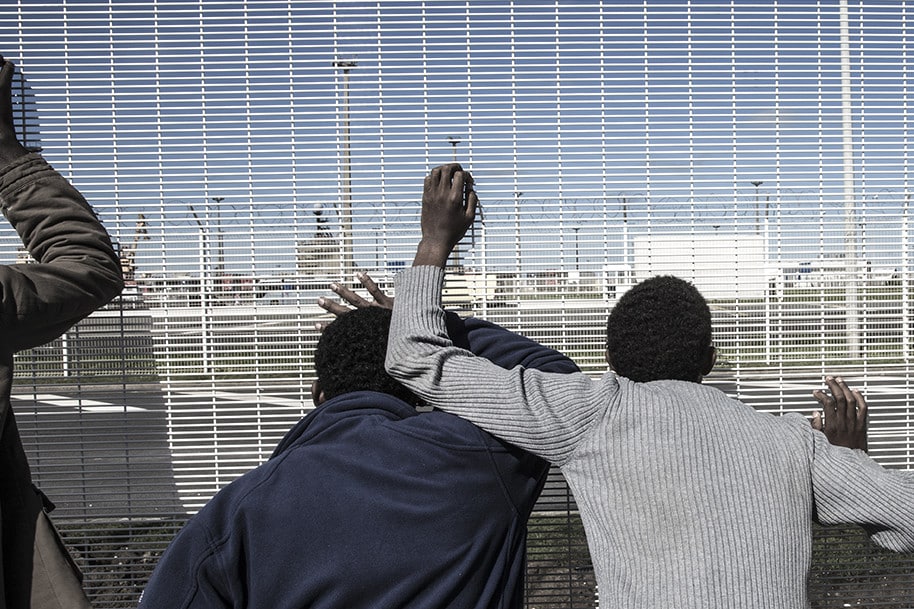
x=465, y=290
x=831, y=272
x=616, y=280
x=722, y=266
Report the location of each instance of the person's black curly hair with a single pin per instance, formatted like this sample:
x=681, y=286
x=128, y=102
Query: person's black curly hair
x=350, y=355
x=659, y=330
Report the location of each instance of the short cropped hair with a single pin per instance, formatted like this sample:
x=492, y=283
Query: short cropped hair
x=659, y=330
x=350, y=355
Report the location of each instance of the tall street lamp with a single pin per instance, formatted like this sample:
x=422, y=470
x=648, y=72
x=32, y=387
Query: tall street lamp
x=453, y=141
x=847, y=141
x=577, y=259
x=756, y=183
x=346, y=207
x=204, y=290
x=624, y=201
x=220, y=253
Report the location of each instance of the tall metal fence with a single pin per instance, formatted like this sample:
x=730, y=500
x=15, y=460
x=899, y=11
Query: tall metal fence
x=244, y=155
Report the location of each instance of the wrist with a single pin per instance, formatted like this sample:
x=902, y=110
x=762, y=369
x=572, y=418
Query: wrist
x=431, y=253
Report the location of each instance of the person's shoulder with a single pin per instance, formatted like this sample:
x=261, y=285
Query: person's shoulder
x=357, y=407
x=376, y=414
x=445, y=429
x=431, y=418
x=240, y=490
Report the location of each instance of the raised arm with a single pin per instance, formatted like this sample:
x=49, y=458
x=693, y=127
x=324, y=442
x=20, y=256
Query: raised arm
x=77, y=270
x=546, y=414
x=448, y=208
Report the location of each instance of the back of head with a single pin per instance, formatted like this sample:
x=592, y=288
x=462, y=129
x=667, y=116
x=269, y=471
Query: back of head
x=660, y=330
x=350, y=355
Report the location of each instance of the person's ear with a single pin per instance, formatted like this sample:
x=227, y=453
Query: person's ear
x=609, y=360
x=317, y=395
x=710, y=360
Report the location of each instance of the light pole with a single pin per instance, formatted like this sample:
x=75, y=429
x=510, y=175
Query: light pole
x=625, y=261
x=376, y=230
x=860, y=226
x=756, y=183
x=577, y=259
x=518, y=250
x=204, y=296
x=453, y=141
x=346, y=208
x=220, y=254
x=847, y=147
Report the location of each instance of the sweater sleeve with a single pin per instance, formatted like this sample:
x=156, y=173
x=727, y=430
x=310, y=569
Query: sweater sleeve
x=545, y=413
x=850, y=488
x=77, y=270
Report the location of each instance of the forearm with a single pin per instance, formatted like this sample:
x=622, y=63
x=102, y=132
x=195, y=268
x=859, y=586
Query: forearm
x=77, y=270
x=850, y=488
x=432, y=253
x=543, y=413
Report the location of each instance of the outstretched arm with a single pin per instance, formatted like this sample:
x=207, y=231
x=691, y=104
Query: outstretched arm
x=848, y=486
x=77, y=271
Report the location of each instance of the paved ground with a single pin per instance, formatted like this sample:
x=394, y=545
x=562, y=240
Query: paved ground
x=146, y=451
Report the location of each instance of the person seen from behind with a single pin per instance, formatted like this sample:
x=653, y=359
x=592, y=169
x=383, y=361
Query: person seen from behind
x=689, y=498
x=75, y=272
x=369, y=501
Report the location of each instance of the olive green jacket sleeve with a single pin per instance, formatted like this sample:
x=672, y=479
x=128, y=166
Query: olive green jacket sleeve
x=77, y=269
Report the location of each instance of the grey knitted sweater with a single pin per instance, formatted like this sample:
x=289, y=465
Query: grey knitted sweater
x=689, y=499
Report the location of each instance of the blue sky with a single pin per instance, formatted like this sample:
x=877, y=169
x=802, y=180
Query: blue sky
x=675, y=107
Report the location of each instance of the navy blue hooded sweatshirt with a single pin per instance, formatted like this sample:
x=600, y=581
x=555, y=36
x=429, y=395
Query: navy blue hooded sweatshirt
x=369, y=503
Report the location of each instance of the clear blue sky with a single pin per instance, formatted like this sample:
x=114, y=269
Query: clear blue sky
x=675, y=107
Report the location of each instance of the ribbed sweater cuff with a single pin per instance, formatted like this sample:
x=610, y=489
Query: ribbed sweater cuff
x=418, y=317
x=420, y=286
